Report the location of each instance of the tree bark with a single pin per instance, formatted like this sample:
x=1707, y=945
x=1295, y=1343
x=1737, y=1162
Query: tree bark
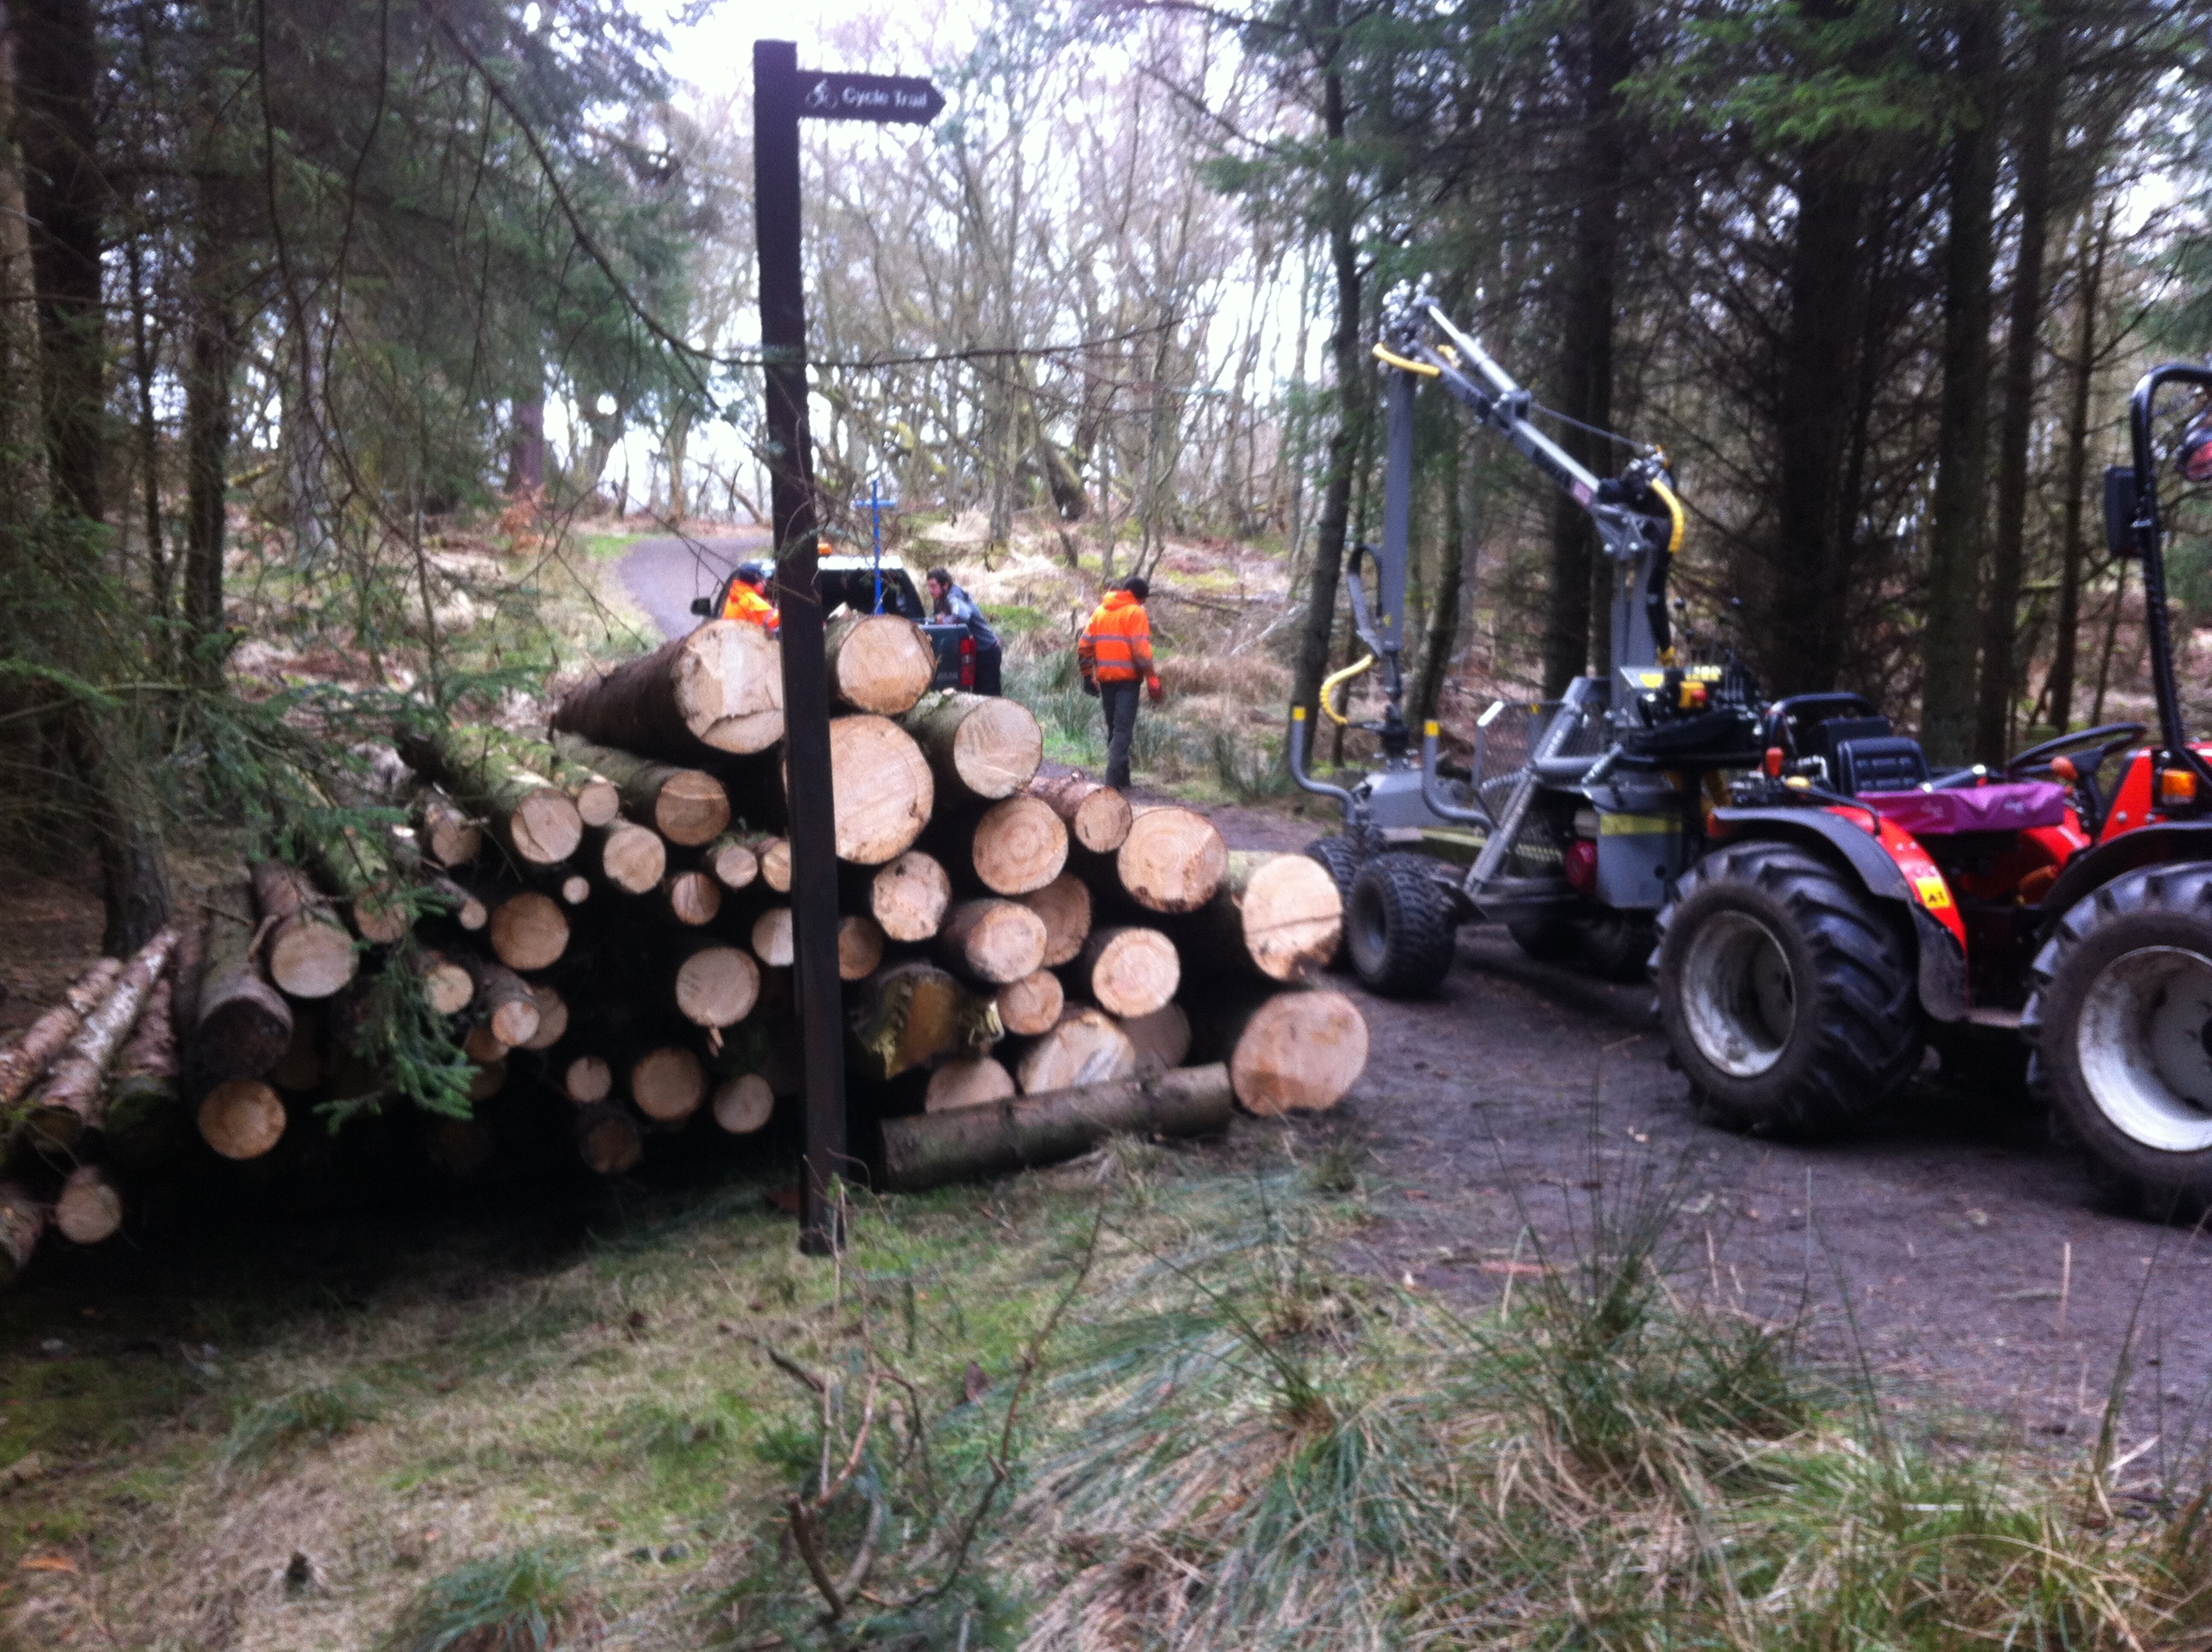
x=2000, y=673
x=72, y=1101
x=446, y=832
x=23, y=1061
x=22, y=1219
x=718, y=688
x=1959, y=513
x=1173, y=859
x=687, y=807
x=1044, y=1128
x=1278, y=916
x=2096, y=237
x=241, y=1026
x=535, y=821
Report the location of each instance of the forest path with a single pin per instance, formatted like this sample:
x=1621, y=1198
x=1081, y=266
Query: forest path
x=665, y=575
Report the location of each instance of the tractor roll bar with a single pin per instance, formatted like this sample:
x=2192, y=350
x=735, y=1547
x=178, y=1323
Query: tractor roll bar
x=1300, y=729
x=2149, y=547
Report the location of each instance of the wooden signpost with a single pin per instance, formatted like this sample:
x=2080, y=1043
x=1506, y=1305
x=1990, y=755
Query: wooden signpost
x=784, y=95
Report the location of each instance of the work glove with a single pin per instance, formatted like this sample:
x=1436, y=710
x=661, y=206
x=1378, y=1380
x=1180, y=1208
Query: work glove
x=1091, y=688
x=1154, y=692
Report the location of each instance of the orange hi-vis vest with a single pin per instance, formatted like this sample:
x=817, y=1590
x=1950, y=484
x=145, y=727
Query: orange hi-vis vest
x=1117, y=647
x=748, y=605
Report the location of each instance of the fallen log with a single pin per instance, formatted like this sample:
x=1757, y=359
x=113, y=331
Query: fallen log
x=632, y=858
x=533, y=819
x=910, y=1014
x=607, y=1139
x=1297, y=1051
x=242, y=1118
x=1172, y=860
x=970, y=1082
x=1126, y=969
x=447, y=986
x=505, y=1003
x=1278, y=916
x=692, y=898
x=1020, y=847
x=72, y=1099
x=879, y=662
x=587, y=1079
x=884, y=790
x=983, y=746
x=528, y=930
x=993, y=941
x=597, y=797
x=1065, y=906
x=717, y=987
x=142, y=1126
x=933, y=1148
x=720, y=687
x=667, y=1083
x=89, y=1207
x=22, y=1219
x=308, y=952
x=744, y=1104
x=1031, y=1006
x=576, y=888
x=24, y=1060
x=774, y=854
x=1086, y=1047
x=909, y=897
x=244, y=1025
x=687, y=807
x=1097, y=815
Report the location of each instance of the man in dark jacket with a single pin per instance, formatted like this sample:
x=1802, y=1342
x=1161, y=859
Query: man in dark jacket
x=948, y=601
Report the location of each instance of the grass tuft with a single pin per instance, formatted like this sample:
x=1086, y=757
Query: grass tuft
x=310, y=1414
x=526, y=1601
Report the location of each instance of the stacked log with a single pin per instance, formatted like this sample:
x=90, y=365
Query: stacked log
x=597, y=926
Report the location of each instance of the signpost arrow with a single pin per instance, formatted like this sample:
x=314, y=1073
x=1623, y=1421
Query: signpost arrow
x=904, y=99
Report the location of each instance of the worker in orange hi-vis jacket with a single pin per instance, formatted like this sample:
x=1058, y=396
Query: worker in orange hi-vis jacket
x=746, y=602
x=1115, y=655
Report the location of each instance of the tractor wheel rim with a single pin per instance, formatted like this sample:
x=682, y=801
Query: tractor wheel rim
x=1739, y=997
x=2144, y=1045
x=1369, y=926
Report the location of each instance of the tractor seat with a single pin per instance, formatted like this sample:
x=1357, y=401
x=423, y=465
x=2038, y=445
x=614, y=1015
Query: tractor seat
x=1883, y=763
x=2002, y=806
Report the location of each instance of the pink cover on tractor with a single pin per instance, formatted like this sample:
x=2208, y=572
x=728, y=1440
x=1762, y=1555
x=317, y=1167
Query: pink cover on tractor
x=2005, y=806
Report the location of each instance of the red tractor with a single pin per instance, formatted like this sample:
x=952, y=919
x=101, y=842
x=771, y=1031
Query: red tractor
x=1845, y=908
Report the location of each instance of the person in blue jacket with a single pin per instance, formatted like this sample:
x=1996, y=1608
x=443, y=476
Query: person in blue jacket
x=948, y=601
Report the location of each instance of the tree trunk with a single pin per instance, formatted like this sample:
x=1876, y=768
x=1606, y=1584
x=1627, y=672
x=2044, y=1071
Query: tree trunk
x=2000, y=678
x=1354, y=397
x=879, y=662
x=144, y=1125
x=308, y=952
x=2096, y=236
x=1958, y=513
x=687, y=807
x=1018, y=847
x=1044, y=1128
x=72, y=1101
x=210, y=345
x=242, y=1025
x=718, y=688
x=1097, y=815
x=535, y=820
x=981, y=746
x=1442, y=637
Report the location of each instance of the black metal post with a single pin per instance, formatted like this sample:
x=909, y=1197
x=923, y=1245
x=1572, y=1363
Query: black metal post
x=805, y=675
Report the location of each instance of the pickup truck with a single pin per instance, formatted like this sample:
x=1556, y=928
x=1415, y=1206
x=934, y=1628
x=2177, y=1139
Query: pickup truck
x=850, y=582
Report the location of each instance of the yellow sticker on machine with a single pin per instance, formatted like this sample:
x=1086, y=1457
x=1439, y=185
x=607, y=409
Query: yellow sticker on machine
x=1935, y=893
x=1641, y=677
x=1622, y=825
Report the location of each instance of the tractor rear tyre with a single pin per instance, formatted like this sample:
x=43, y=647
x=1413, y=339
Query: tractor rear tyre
x=1615, y=947
x=2121, y=1023
x=1340, y=858
x=1547, y=939
x=1786, y=991
x=1399, y=927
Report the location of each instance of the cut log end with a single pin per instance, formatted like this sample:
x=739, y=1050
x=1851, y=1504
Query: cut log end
x=598, y=799
x=880, y=663
x=587, y=1079
x=381, y=917
x=311, y=958
x=910, y=897
x=552, y=1017
x=633, y=859
x=576, y=888
x=974, y=1082
x=242, y=1118
x=860, y=947
x=1292, y=916
x=692, y=808
x=772, y=943
x=988, y=746
x=607, y=1139
x=1098, y=814
x=744, y=1104
x=694, y=898
x=728, y=685
x=544, y=828
x=447, y=988
x=668, y=1084
x=717, y=987
x=1019, y=846
x=1173, y=859
x=884, y=789
x=529, y=931
x=734, y=864
x=1087, y=1048
x=775, y=865
x=1065, y=906
x=1032, y=1006
x=1299, y=1052
x=996, y=942
x=1162, y=1038
x=89, y=1207
x=1129, y=970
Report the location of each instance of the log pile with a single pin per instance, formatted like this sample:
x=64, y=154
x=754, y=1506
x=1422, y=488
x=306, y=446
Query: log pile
x=600, y=922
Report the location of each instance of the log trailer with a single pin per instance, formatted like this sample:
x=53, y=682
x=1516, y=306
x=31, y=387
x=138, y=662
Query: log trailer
x=1816, y=905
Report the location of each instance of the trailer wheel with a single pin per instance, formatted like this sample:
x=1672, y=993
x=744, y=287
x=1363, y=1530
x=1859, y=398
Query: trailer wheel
x=1399, y=927
x=2121, y=1022
x=1786, y=991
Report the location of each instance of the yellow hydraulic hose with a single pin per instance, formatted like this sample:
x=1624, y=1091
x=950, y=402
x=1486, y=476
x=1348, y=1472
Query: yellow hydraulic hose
x=1674, y=509
x=1405, y=364
x=1330, y=684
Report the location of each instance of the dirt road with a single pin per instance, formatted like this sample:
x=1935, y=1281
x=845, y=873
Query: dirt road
x=665, y=575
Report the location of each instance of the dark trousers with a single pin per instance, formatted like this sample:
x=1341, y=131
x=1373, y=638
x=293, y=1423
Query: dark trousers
x=988, y=662
x=1119, y=702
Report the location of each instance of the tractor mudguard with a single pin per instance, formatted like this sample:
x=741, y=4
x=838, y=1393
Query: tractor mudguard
x=2172, y=839
x=1940, y=956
